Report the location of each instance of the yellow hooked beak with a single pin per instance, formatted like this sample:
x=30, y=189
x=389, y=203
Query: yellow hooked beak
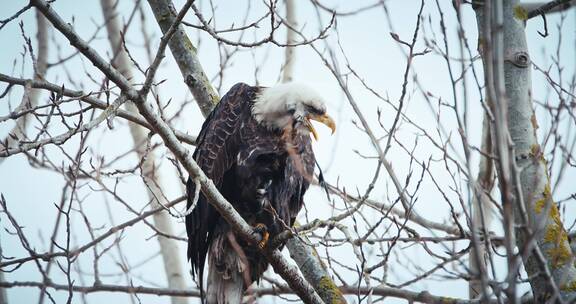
x=324, y=118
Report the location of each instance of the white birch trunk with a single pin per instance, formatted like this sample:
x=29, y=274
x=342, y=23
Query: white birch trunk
x=31, y=96
x=550, y=261
x=482, y=210
x=162, y=220
x=288, y=70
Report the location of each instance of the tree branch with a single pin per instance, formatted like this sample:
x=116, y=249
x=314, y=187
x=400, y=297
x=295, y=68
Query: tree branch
x=537, y=9
x=410, y=296
x=184, y=54
x=132, y=117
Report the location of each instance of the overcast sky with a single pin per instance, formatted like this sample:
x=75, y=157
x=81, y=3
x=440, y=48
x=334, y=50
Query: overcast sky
x=372, y=53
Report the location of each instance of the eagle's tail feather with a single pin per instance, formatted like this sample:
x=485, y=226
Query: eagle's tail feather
x=222, y=290
x=225, y=279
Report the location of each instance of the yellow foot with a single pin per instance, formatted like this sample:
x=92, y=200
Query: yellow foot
x=263, y=231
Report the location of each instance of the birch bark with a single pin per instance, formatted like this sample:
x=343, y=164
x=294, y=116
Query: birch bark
x=31, y=96
x=173, y=266
x=541, y=238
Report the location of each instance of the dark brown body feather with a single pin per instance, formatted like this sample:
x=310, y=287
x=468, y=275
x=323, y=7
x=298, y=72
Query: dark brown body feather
x=241, y=156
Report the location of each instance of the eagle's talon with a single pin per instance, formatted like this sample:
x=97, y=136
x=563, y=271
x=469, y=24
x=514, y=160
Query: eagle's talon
x=265, y=236
x=262, y=244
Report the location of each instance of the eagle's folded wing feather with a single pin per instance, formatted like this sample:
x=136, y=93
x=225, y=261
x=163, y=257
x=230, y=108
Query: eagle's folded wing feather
x=215, y=154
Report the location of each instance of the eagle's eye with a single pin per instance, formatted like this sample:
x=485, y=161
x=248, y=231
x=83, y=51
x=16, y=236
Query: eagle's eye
x=313, y=110
x=290, y=108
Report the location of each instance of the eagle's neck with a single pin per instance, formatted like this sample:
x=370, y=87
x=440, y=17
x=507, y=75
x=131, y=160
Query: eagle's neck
x=270, y=107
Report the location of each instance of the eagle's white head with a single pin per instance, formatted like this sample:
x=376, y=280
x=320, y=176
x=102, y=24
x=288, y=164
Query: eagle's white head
x=291, y=105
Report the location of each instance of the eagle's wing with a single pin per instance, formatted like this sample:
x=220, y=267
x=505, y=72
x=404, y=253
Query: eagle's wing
x=217, y=147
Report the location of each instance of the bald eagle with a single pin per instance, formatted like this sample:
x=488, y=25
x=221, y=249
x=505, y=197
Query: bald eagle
x=256, y=147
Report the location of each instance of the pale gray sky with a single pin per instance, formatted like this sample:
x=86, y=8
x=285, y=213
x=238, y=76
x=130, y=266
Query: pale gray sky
x=373, y=54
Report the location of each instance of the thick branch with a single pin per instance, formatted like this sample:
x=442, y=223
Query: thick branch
x=314, y=270
x=184, y=54
x=537, y=9
x=411, y=296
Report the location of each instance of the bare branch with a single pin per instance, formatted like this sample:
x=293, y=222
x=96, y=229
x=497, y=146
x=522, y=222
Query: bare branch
x=537, y=9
